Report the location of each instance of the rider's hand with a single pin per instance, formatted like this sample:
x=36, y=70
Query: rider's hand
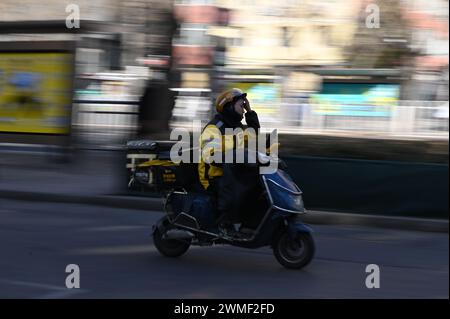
x=247, y=105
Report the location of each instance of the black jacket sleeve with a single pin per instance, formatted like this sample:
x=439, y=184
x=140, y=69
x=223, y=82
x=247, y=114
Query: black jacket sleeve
x=251, y=118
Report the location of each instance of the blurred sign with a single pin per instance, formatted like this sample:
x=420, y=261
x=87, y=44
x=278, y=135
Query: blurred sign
x=355, y=99
x=35, y=92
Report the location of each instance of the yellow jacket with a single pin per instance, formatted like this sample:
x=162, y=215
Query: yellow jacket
x=215, y=143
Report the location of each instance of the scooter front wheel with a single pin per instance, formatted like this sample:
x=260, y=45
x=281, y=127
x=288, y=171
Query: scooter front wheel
x=170, y=247
x=294, y=252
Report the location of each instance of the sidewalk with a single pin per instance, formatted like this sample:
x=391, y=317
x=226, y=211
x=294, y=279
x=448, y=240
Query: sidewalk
x=98, y=178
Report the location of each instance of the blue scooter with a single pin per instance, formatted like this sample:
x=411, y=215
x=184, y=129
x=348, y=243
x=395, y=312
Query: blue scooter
x=280, y=205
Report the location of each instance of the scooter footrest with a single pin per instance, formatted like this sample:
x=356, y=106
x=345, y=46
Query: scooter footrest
x=186, y=220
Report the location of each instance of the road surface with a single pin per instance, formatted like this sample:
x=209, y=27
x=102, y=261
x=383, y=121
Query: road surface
x=117, y=259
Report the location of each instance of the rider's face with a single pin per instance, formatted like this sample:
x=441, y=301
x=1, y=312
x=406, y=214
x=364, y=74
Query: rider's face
x=239, y=107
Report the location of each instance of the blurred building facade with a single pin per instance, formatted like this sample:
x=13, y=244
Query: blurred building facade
x=196, y=35
x=288, y=54
x=24, y=10
x=429, y=24
x=266, y=33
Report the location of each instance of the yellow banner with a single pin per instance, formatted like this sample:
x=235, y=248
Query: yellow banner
x=35, y=92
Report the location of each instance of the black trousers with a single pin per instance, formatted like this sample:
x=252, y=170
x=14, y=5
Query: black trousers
x=223, y=212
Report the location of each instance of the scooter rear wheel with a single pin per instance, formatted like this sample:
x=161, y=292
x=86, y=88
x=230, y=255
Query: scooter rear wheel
x=294, y=252
x=170, y=247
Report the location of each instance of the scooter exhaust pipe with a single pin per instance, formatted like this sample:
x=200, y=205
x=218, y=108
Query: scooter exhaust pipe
x=178, y=234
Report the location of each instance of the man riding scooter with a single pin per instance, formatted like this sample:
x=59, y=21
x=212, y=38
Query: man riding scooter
x=262, y=198
x=231, y=106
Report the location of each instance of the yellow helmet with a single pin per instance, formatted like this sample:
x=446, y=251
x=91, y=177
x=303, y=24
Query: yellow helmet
x=227, y=97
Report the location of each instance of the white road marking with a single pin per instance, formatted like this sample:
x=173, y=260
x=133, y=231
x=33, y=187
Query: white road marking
x=114, y=250
x=61, y=291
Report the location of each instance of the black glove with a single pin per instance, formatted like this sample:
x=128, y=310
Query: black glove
x=251, y=118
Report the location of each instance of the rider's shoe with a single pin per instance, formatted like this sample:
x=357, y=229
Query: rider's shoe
x=246, y=231
x=230, y=231
x=227, y=230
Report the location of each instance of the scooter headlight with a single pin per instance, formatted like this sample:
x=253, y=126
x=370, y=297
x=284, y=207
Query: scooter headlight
x=287, y=201
x=284, y=193
x=296, y=203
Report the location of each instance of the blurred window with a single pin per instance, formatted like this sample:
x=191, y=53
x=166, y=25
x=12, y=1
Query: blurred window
x=89, y=60
x=288, y=34
x=237, y=42
x=193, y=34
x=199, y=2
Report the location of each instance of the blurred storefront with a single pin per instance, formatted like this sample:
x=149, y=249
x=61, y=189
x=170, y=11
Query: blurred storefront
x=36, y=90
x=307, y=65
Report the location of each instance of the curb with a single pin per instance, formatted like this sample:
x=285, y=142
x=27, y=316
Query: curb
x=313, y=217
x=131, y=202
x=382, y=221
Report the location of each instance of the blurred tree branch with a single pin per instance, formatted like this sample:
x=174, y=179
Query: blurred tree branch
x=385, y=47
